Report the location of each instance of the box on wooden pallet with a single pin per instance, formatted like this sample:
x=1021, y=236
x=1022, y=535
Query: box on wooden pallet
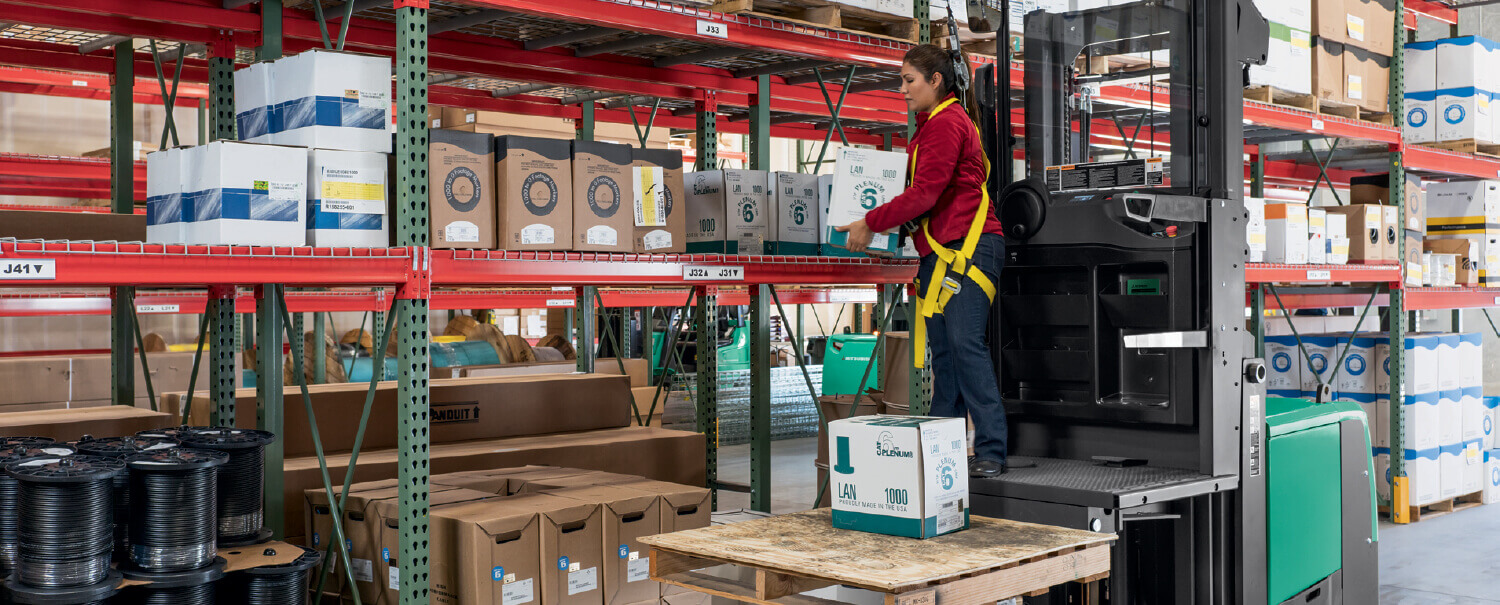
x=1366, y=79
x=1419, y=125
x=1450, y=471
x=602, y=221
x=534, y=190
x=1330, y=20
x=1465, y=115
x=1328, y=70
x=461, y=189
x=1286, y=233
x=346, y=199
x=1370, y=25
x=657, y=176
x=1423, y=476
x=1473, y=415
x=1375, y=189
x=1289, y=55
x=1466, y=62
x=900, y=475
x=245, y=194
x=863, y=180
x=1284, y=377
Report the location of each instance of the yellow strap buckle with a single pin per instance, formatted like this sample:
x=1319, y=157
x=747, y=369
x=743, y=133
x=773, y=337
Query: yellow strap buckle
x=953, y=286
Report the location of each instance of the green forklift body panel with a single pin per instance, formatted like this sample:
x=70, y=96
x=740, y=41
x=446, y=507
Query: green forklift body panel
x=844, y=363
x=736, y=354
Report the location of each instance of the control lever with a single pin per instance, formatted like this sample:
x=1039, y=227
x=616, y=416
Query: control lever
x=1147, y=207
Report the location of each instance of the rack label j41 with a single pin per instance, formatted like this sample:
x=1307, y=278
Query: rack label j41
x=28, y=268
x=712, y=273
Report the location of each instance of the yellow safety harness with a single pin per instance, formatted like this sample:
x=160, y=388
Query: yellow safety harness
x=935, y=294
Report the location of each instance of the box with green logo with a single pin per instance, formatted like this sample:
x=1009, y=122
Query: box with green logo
x=899, y=475
x=795, y=220
x=863, y=180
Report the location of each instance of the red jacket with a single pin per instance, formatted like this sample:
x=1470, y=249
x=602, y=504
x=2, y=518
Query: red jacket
x=947, y=184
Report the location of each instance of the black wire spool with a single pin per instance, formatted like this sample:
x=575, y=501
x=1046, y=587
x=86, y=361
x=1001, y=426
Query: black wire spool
x=284, y=584
x=175, y=433
x=174, y=588
x=9, y=441
x=66, y=519
x=10, y=490
x=241, y=493
x=95, y=594
x=173, y=525
x=122, y=448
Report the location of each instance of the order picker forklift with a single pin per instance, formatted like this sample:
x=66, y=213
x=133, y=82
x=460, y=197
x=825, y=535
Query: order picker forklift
x=1119, y=329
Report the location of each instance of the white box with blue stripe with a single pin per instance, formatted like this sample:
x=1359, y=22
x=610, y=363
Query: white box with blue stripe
x=1322, y=354
x=863, y=180
x=164, y=182
x=900, y=475
x=1491, y=492
x=1284, y=363
x=252, y=103
x=346, y=199
x=245, y=194
x=331, y=100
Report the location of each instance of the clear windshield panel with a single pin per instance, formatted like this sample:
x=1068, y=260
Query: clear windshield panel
x=1101, y=105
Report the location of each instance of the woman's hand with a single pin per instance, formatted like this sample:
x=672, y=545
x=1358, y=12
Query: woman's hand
x=859, y=235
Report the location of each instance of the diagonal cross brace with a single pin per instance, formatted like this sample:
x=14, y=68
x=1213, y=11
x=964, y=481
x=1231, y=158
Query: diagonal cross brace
x=1323, y=163
x=833, y=112
x=636, y=122
x=170, y=127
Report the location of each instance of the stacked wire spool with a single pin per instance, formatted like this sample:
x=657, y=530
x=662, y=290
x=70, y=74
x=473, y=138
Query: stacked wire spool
x=174, y=527
x=122, y=448
x=66, y=529
x=11, y=450
x=241, y=489
x=284, y=584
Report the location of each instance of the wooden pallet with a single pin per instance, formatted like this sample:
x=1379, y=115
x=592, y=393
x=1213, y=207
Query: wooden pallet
x=824, y=13
x=1468, y=146
x=1441, y=507
x=791, y=554
x=1276, y=96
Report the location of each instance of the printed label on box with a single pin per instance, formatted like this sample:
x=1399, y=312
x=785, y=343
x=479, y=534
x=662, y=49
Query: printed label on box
x=950, y=516
x=656, y=240
x=1356, y=87
x=1356, y=27
x=638, y=570
x=650, y=196
x=602, y=235
x=347, y=196
x=516, y=593
x=393, y=578
x=372, y=99
x=538, y=234
x=583, y=580
x=364, y=570
x=461, y=231
x=285, y=191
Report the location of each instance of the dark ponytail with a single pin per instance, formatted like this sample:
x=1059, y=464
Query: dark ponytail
x=930, y=59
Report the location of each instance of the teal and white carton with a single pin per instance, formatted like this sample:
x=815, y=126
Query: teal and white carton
x=863, y=180
x=796, y=218
x=900, y=475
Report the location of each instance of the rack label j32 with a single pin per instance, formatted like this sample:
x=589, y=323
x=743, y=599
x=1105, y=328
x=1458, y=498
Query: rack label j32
x=28, y=269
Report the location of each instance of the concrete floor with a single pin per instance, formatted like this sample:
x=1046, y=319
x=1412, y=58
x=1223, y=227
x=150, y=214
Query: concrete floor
x=1449, y=560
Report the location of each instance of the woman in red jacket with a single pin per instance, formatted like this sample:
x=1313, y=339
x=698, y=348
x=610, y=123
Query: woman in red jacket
x=946, y=189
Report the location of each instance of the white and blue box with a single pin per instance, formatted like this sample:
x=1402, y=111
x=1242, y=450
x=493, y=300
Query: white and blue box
x=864, y=180
x=1491, y=493
x=1471, y=360
x=900, y=475
x=1420, y=122
x=1491, y=421
x=1423, y=419
x=164, y=181
x=1450, y=416
x=1464, y=114
x=796, y=222
x=246, y=194
x=346, y=199
x=1423, y=476
x=332, y=100
x=1284, y=366
x=1322, y=354
x=1450, y=471
x=1466, y=62
x=253, y=104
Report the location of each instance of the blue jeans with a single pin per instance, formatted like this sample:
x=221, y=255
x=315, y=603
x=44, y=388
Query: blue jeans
x=963, y=373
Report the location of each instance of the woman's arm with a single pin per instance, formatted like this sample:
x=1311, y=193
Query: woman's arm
x=937, y=159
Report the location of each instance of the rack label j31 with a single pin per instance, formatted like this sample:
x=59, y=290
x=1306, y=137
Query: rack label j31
x=28, y=268
x=712, y=273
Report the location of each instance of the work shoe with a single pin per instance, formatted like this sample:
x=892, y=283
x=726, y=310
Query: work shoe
x=984, y=468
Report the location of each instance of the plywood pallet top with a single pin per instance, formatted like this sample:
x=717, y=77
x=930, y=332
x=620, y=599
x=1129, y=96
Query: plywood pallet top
x=805, y=551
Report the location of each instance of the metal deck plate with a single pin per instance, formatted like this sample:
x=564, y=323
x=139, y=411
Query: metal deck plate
x=1087, y=483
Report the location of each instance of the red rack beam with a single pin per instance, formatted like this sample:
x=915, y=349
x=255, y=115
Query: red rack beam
x=88, y=264
x=1322, y=274
x=476, y=268
x=1432, y=299
x=57, y=176
x=1417, y=157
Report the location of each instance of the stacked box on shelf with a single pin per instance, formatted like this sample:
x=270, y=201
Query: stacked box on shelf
x=1286, y=233
x=601, y=191
x=1363, y=223
x=1449, y=88
x=864, y=180
x=1356, y=382
x=705, y=212
x=1321, y=357
x=1289, y=55
x=727, y=211
x=1468, y=210
x=1419, y=92
x=1490, y=422
x=1491, y=477
x=796, y=222
x=657, y=176
x=1255, y=229
x=1285, y=361
x=1351, y=56
x=534, y=185
x=825, y=194
x=1317, y=236
x=346, y=199
x=461, y=189
x=245, y=193
x=164, y=215
x=331, y=100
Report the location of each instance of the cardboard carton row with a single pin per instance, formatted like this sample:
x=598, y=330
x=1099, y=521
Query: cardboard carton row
x=537, y=534
x=81, y=381
x=1449, y=88
x=1336, y=50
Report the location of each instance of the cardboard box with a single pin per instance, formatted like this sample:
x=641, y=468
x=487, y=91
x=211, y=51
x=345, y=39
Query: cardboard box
x=1419, y=125
x=639, y=370
x=461, y=189
x=1491, y=494
x=252, y=102
x=381, y=527
x=50, y=225
x=1370, y=25
x=91, y=378
x=1358, y=373
x=1382, y=464
x=1465, y=115
x=346, y=199
x=683, y=507
x=1464, y=252
x=245, y=193
x=653, y=453
x=602, y=221
x=1286, y=233
x=331, y=100
x=706, y=226
x=534, y=185
x=489, y=551
x=566, y=478
x=900, y=475
x=1390, y=225
x=628, y=515
x=1466, y=62
x=747, y=211
x=461, y=409
x=1288, y=60
x=1365, y=225
x=318, y=528
x=71, y=425
x=36, y=380
x=1317, y=236
x=1367, y=79
x=457, y=116
x=1328, y=70
x=1284, y=370
x=661, y=171
x=1374, y=189
x=863, y=180
x=164, y=215
x=1330, y=20
x=796, y=225
x=1255, y=229
x=1415, y=265
x=572, y=555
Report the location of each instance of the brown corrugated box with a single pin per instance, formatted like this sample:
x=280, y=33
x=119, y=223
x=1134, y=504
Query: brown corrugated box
x=534, y=193
x=666, y=455
x=454, y=117
x=639, y=370
x=1390, y=224
x=673, y=236
x=1330, y=20
x=1366, y=227
x=170, y=373
x=603, y=220
x=69, y=425
x=685, y=598
x=382, y=520
x=535, y=368
x=682, y=507
x=461, y=189
x=1367, y=79
x=1374, y=189
x=317, y=525
x=36, y=380
x=474, y=542
x=1328, y=70
x=839, y=407
x=98, y=226
x=1465, y=273
x=896, y=380
x=628, y=515
x=1371, y=25
x=566, y=478
x=572, y=555
x=461, y=409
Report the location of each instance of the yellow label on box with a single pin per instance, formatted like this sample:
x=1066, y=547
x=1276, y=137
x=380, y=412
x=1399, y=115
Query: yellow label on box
x=1356, y=87
x=1356, y=27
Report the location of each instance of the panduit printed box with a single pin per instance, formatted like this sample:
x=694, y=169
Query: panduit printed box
x=864, y=180
x=245, y=193
x=900, y=475
x=346, y=205
x=331, y=100
x=796, y=221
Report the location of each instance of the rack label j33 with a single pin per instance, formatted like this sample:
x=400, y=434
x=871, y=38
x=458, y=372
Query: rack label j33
x=28, y=268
